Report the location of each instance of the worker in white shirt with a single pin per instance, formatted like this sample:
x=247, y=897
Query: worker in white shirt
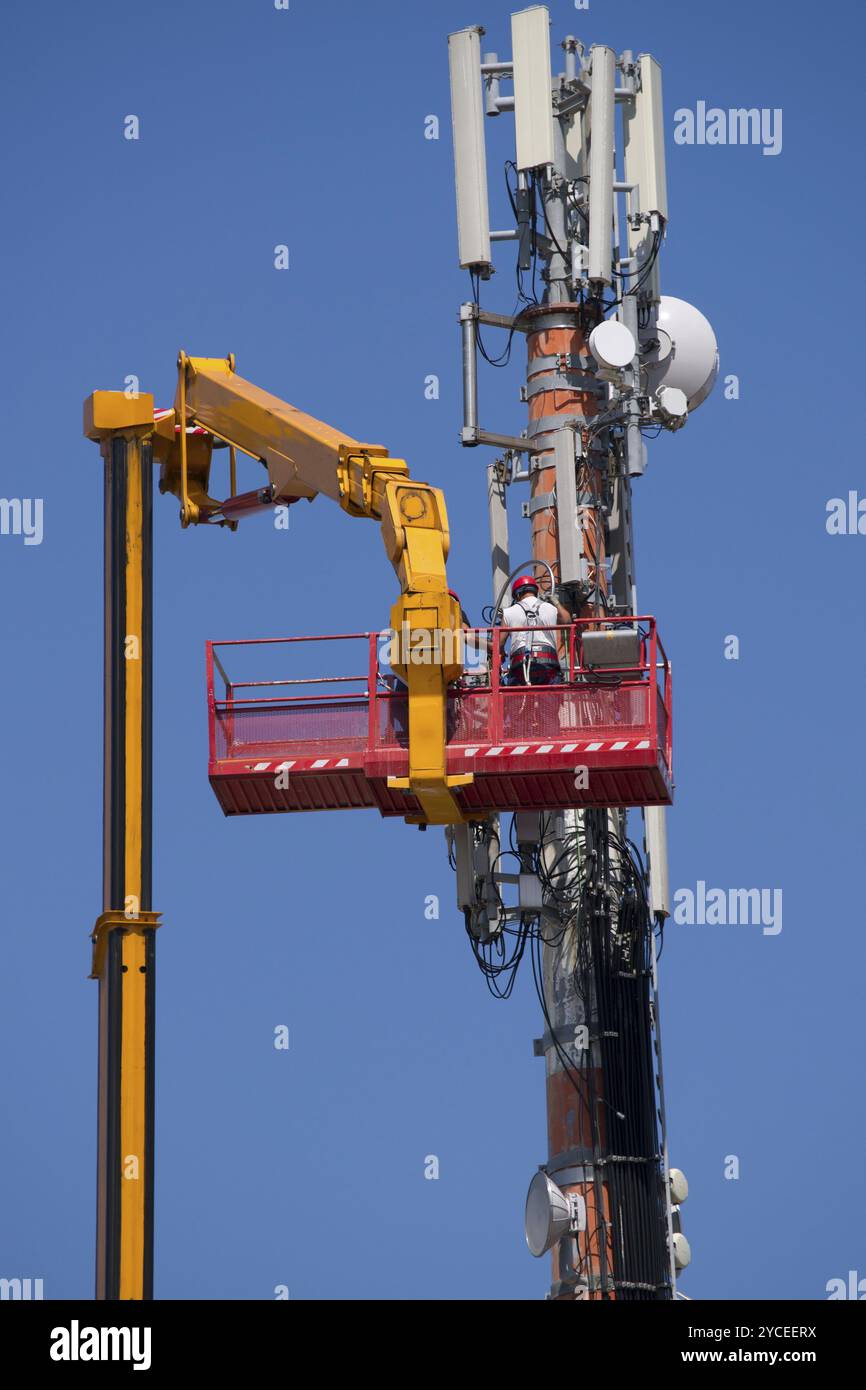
x=533, y=657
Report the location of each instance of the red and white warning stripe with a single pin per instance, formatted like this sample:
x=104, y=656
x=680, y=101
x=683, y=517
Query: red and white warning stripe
x=478, y=752
x=298, y=765
x=517, y=750
x=160, y=412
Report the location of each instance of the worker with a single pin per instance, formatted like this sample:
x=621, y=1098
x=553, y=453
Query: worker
x=533, y=655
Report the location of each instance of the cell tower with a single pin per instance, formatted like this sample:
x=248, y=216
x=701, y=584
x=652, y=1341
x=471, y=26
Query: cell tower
x=609, y=360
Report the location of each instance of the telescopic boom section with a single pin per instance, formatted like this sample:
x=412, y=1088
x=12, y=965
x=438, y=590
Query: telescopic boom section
x=304, y=458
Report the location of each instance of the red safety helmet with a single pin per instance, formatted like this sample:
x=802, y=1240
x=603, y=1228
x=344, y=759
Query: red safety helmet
x=526, y=581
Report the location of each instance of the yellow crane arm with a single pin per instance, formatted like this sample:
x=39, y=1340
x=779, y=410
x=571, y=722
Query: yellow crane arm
x=304, y=458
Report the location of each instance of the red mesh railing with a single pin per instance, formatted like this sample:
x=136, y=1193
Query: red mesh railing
x=555, y=711
x=469, y=717
x=662, y=721
x=392, y=725
x=262, y=731
x=295, y=722
x=532, y=713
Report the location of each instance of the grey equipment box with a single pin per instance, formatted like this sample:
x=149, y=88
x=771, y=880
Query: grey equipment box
x=620, y=646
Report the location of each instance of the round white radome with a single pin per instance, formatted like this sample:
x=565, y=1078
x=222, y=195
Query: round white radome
x=682, y=1251
x=679, y=1186
x=693, y=364
x=612, y=344
x=672, y=401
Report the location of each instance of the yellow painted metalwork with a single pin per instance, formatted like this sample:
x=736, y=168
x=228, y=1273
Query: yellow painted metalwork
x=305, y=457
x=133, y=1129
x=133, y=1102
x=362, y=473
x=113, y=412
x=170, y=449
x=185, y=517
x=426, y=620
x=111, y=921
x=110, y=415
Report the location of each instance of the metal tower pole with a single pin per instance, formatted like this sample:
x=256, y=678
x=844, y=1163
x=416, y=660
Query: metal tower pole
x=123, y=937
x=560, y=400
x=564, y=399
x=599, y=233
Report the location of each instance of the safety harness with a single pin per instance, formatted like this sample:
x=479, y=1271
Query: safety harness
x=530, y=653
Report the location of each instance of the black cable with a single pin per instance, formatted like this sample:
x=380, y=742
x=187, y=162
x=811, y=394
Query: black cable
x=650, y=262
x=595, y=880
x=505, y=356
x=563, y=254
x=522, y=296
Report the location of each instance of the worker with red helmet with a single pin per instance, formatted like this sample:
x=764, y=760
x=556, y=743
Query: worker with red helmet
x=533, y=657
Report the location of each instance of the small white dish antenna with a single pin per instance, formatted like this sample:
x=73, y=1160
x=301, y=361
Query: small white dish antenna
x=612, y=344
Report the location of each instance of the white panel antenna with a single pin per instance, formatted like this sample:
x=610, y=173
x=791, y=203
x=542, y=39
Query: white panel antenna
x=644, y=139
x=470, y=161
x=601, y=167
x=643, y=121
x=657, y=851
x=533, y=109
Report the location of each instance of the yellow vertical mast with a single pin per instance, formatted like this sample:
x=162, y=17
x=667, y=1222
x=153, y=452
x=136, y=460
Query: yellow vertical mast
x=123, y=937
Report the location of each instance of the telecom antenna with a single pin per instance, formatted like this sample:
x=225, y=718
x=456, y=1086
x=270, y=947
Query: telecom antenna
x=609, y=359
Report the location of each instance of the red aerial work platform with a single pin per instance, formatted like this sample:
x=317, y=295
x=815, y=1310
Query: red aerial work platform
x=309, y=742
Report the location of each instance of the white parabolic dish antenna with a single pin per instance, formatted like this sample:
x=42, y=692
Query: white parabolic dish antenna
x=693, y=363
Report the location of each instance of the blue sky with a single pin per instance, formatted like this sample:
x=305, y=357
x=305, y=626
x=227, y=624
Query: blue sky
x=306, y=1167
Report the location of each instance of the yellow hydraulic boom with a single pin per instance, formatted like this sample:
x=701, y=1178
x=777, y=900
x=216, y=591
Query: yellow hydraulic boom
x=305, y=458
